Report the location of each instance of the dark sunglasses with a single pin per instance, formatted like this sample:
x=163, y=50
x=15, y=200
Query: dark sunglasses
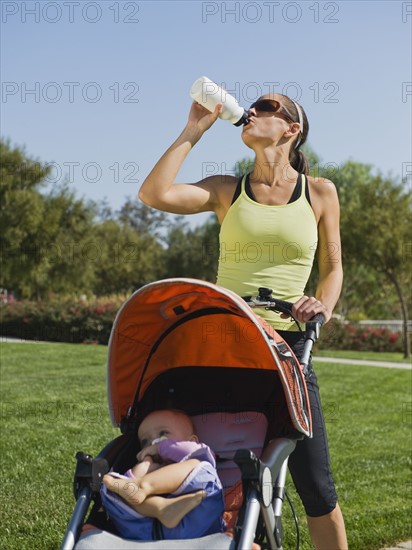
x=271, y=106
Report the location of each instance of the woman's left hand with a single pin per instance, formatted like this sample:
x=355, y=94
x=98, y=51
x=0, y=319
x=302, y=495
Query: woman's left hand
x=307, y=307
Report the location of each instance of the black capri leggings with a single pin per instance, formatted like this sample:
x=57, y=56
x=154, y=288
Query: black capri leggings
x=309, y=464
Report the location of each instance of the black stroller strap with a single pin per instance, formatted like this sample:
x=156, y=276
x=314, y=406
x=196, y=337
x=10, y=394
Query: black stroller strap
x=222, y=459
x=157, y=530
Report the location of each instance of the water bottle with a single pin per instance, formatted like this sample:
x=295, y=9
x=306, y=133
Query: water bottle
x=209, y=94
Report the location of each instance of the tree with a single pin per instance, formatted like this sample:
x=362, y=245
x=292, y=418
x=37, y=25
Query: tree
x=144, y=219
x=57, y=243
x=192, y=252
x=64, y=244
x=376, y=225
x=126, y=260
x=21, y=214
x=40, y=234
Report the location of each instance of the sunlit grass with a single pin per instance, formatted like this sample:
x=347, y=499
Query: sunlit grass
x=53, y=403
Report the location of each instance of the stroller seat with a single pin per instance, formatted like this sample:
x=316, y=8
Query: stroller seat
x=225, y=433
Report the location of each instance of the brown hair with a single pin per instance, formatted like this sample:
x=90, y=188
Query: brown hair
x=177, y=412
x=297, y=158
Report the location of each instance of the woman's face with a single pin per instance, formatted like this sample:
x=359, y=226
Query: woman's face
x=266, y=127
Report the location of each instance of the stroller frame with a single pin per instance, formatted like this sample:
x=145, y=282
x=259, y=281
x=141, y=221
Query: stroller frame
x=263, y=479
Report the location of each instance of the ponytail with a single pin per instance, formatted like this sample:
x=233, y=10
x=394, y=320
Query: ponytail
x=297, y=158
x=299, y=162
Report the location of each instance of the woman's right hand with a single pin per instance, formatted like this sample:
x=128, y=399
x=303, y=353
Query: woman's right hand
x=158, y=190
x=201, y=118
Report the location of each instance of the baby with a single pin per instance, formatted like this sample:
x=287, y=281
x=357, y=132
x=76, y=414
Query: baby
x=174, y=481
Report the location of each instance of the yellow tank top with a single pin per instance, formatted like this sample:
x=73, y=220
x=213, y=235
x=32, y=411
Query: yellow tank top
x=268, y=246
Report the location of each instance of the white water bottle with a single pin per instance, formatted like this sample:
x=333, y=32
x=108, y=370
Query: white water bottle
x=209, y=94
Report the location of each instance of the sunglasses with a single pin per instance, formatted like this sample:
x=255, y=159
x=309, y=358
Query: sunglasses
x=271, y=106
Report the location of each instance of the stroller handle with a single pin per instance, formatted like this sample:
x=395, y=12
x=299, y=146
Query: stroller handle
x=265, y=299
x=313, y=326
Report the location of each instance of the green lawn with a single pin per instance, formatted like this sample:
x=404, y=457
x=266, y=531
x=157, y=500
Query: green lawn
x=53, y=399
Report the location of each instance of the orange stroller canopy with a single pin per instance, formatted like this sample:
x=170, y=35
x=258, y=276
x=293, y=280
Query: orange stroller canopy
x=182, y=322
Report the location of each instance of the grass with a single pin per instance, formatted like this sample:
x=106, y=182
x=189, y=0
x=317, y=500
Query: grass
x=53, y=402
x=368, y=417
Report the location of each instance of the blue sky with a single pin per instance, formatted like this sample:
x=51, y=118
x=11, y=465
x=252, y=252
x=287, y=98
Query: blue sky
x=101, y=89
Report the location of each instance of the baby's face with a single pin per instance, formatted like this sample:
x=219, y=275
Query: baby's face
x=166, y=425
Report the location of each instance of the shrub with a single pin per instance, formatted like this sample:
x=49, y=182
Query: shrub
x=347, y=336
x=79, y=321
x=62, y=320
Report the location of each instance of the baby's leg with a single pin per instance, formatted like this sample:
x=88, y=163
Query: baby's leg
x=163, y=481
x=170, y=511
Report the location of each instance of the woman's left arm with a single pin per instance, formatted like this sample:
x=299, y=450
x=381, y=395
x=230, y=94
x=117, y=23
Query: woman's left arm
x=329, y=257
x=329, y=251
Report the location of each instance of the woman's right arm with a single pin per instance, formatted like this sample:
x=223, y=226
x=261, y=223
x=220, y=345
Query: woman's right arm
x=160, y=191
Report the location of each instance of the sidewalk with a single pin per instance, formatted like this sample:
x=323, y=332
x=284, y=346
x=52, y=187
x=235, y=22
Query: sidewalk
x=341, y=361
x=10, y=340
x=404, y=545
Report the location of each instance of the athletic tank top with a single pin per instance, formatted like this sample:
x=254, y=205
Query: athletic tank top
x=268, y=246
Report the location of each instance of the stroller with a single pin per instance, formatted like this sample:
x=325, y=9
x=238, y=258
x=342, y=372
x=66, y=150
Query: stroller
x=191, y=345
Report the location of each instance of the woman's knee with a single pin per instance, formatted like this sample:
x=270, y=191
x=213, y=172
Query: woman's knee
x=318, y=504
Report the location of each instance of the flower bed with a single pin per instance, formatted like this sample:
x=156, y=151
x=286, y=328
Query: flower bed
x=60, y=321
x=346, y=336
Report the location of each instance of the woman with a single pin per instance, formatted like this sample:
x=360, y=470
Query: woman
x=271, y=224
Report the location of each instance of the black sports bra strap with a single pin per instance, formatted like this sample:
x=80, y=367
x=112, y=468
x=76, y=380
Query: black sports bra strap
x=297, y=190
x=248, y=189
x=249, y=192
x=238, y=190
x=307, y=194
